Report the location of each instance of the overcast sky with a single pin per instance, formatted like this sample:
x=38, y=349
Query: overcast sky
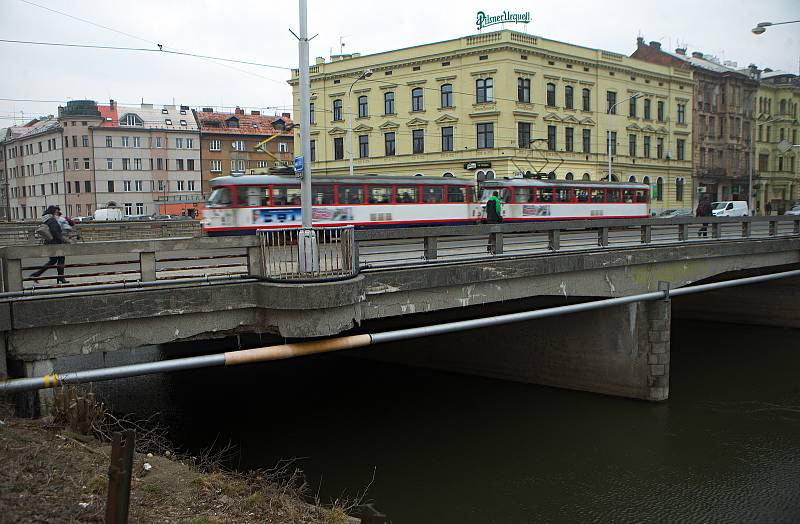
x=258, y=31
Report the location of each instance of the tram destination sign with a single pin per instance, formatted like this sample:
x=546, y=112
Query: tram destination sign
x=506, y=17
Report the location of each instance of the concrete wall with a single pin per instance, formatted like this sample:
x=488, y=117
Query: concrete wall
x=17, y=234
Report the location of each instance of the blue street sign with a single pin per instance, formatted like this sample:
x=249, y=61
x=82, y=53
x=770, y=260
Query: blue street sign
x=298, y=164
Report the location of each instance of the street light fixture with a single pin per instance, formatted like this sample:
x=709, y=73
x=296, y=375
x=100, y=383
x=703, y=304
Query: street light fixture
x=610, y=109
x=762, y=26
x=365, y=74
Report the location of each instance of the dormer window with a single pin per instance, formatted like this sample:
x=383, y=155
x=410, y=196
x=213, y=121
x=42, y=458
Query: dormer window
x=164, y=112
x=183, y=111
x=131, y=119
x=168, y=121
x=278, y=124
x=183, y=122
x=255, y=126
x=232, y=122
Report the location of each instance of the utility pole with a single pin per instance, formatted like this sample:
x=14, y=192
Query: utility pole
x=306, y=236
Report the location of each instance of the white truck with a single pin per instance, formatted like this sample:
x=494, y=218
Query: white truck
x=108, y=213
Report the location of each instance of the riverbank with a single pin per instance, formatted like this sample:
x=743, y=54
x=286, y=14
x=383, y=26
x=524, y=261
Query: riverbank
x=51, y=474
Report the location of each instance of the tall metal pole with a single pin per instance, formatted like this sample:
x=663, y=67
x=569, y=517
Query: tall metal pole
x=350, y=123
x=750, y=171
x=305, y=118
x=609, y=150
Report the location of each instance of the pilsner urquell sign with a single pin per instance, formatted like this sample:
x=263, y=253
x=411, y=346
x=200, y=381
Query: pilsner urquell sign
x=507, y=17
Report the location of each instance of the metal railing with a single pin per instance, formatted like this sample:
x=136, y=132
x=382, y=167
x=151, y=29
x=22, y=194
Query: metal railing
x=322, y=253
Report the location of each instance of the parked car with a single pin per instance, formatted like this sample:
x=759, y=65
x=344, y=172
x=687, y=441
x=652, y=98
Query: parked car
x=730, y=208
x=136, y=217
x=674, y=213
x=794, y=211
x=82, y=219
x=157, y=216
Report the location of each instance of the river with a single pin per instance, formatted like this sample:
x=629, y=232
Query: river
x=446, y=448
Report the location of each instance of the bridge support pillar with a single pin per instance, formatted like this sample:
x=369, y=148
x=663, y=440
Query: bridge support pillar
x=32, y=404
x=622, y=351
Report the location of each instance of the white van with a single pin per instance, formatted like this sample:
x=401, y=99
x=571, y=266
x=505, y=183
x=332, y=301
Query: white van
x=108, y=213
x=730, y=208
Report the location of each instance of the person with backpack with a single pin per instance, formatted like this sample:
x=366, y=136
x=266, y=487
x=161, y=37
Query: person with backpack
x=494, y=215
x=50, y=231
x=703, y=210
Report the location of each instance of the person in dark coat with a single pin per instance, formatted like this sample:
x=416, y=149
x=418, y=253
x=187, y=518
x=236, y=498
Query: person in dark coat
x=703, y=210
x=494, y=215
x=51, y=220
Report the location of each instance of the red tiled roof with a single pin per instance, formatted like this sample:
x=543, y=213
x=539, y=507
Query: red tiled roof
x=217, y=123
x=109, y=112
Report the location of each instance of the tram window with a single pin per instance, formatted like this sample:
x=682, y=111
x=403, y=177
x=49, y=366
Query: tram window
x=523, y=195
x=279, y=196
x=581, y=195
x=220, y=197
x=563, y=194
x=433, y=194
x=406, y=195
x=544, y=194
x=380, y=194
x=322, y=194
x=612, y=196
x=627, y=196
x=293, y=195
x=456, y=194
x=351, y=194
x=251, y=196
x=471, y=194
x=596, y=195
x=641, y=195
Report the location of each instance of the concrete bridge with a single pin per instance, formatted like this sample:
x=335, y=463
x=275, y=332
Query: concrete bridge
x=131, y=294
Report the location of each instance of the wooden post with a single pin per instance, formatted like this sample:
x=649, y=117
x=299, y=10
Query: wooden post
x=496, y=243
x=554, y=239
x=431, y=245
x=647, y=234
x=602, y=237
x=119, y=477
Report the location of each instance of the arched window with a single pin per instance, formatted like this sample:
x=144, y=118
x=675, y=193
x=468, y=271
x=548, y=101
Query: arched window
x=448, y=174
x=447, y=95
x=586, y=176
x=660, y=189
x=131, y=119
x=363, y=111
x=484, y=90
x=480, y=176
x=568, y=97
x=490, y=175
x=646, y=180
x=416, y=99
x=551, y=175
x=523, y=90
x=632, y=178
x=679, y=183
x=337, y=109
x=614, y=178
x=783, y=107
x=569, y=176
x=551, y=94
x=388, y=103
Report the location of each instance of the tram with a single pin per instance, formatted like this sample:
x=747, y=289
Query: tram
x=244, y=204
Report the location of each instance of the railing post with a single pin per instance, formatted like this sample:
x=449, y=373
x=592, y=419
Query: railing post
x=602, y=237
x=716, y=230
x=147, y=266
x=496, y=243
x=683, y=232
x=773, y=228
x=647, y=234
x=431, y=244
x=255, y=261
x=554, y=236
x=12, y=274
x=747, y=228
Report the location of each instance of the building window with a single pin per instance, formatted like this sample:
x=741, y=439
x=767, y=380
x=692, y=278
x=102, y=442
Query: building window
x=447, y=95
x=569, y=99
x=388, y=103
x=681, y=113
x=337, y=109
x=216, y=166
x=312, y=114
x=190, y=164
x=659, y=189
x=611, y=102
x=418, y=141
x=660, y=110
x=87, y=186
x=484, y=90
x=524, y=134
x=86, y=164
x=126, y=164
x=110, y=186
x=681, y=146
x=551, y=94
x=587, y=141
x=214, y=145
x=84, y=141
x=362, y=107
x=178, y=143
x=659, y=148
x=632, y=146
x=647, y=108
x=109, y=141
x=137, y=164
x=189, y=143
x=569, y=136
x=313, y=150
x=485, y=136
x=130, y=120
x=126, y=185
x=159, y=163
x=338, y=148
x=137, y=141
x=238, y=145
x=140, y=208
x=679, y=184
x=524, y=90
x=447, y=139
x=283, y=147
x=237, y=166
x=158, y=141
x=416, y=99
x=128, y=208
x=632, y=107
x=551, y=138
x=125, y=141
x=363, y=146
x=611, y=141
x=646, y=152
x=389, y=144
x=139, y=186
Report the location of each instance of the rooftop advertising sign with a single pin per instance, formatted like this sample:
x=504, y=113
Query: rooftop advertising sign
x=484, y=20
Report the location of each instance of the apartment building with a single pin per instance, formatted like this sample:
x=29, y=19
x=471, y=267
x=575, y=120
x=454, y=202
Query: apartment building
x=77, y=120
x=34, y=168
x=723, y=114
x=777, y=147
x=4, y=210
x=234, y=143
x=147, y=158
x=504, y=104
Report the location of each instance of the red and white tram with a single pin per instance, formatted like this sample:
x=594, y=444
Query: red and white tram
x=244, y=204
x=531, y=199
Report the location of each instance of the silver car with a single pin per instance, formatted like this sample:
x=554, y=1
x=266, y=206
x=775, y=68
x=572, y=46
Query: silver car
x=794, y=211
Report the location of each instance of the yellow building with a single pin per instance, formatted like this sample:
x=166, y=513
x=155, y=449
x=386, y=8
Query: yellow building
x=501, y=104
x=777, y=162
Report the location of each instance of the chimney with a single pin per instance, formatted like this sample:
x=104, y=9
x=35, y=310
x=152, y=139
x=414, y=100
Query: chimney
x=112, y=104
x=255, y=113
x=697, y=54
x=239, y=111
x=286, y=115
x=655, y=45
x=767, y=70
x=208, y=110
x=681, y=51
x=320, y=60
x=639, y=41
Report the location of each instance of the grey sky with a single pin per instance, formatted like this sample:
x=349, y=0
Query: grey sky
x=257, y=30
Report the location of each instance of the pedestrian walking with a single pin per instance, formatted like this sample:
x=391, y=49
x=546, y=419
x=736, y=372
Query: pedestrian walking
x=703, y=210
x=768, y=208
x=56, y=236
x=494, y=215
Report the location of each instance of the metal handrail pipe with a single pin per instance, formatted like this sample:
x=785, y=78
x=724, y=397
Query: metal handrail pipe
x=285, y=351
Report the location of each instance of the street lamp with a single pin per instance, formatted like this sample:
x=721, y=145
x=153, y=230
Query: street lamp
x=762, y=26
x=608, y=112
x=366, y=74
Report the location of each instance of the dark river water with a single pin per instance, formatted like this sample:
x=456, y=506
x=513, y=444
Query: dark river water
x=446, y=448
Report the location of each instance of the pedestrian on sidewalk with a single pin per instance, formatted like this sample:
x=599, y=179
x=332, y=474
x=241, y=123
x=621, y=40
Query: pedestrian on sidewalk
x=703, y=210
x=494, y=215
x=50, y=219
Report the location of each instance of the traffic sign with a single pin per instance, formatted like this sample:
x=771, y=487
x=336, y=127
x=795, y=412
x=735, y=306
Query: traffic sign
x=298, y=164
